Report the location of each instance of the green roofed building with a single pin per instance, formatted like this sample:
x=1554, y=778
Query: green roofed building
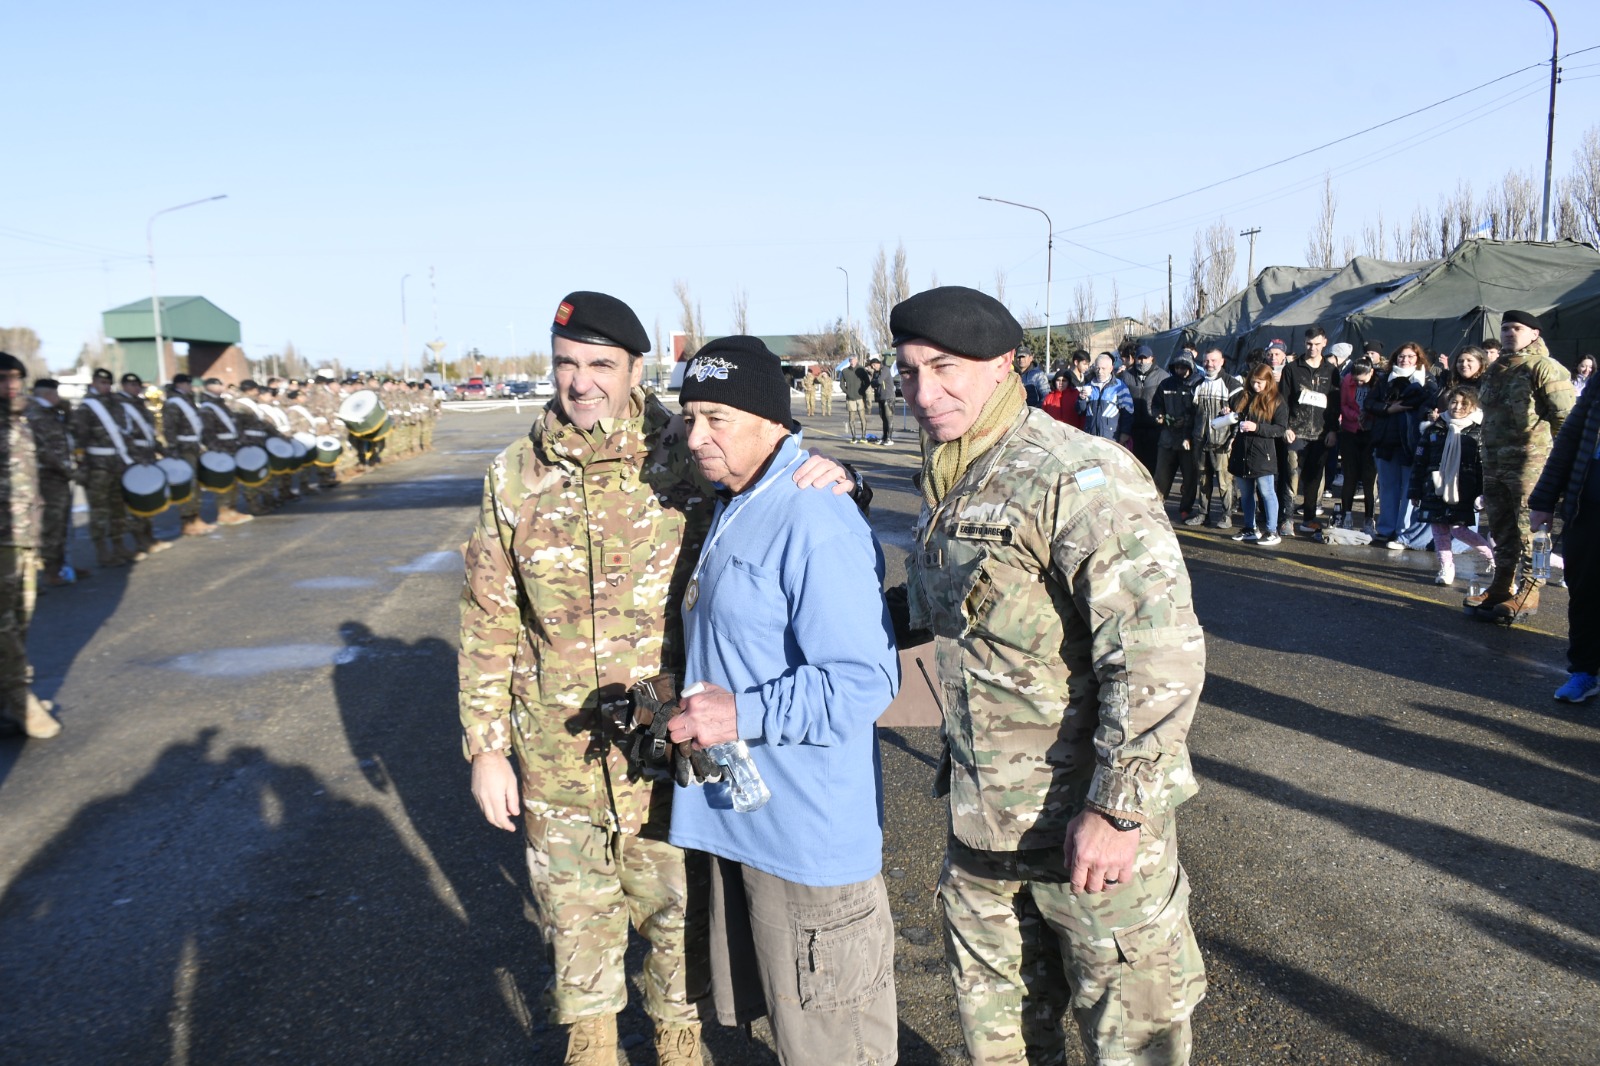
x=212, y=336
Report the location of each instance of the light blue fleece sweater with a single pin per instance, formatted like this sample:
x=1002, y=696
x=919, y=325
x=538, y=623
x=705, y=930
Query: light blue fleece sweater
x=790, y=618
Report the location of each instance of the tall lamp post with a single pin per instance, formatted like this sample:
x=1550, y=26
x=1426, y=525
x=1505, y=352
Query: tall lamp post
x=849, y=325
x=1550, y=134
x=155, y=290
x=1049, y=251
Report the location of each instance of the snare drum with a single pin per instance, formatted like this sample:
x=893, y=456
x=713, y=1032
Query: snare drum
x=328, y=449
x=144, y=489
x=280, y=455
x=180, y=479
x=252, y=463
x=302, y=454
x=362, y=412
x=216, y=471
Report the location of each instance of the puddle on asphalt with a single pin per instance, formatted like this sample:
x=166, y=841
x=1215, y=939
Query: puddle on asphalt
x=431, y=563
x=336, y=581
x=248, y=662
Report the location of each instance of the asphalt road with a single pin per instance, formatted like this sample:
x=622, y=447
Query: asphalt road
x=253, y=840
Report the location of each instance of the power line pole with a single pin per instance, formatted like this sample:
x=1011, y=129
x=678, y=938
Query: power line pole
x=1550, y=135
x=1170, y=322
x=1250, y=275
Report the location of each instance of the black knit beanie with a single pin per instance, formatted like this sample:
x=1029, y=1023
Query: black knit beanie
x=740, y=372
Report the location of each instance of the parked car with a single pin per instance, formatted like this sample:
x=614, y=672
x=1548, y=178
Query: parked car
x=473, y=390
x=518, y=388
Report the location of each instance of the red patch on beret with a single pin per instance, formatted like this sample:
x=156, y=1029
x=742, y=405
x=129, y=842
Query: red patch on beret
x=563, y=313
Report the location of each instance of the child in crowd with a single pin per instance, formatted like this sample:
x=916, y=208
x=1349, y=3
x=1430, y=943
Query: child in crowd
x=1263, y=420
x=1447, y=479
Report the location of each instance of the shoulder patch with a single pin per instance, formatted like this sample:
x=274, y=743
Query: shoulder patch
x=1091, y=478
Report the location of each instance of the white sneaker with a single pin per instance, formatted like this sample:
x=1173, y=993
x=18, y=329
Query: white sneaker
x=1395, y=544
x=1446, y=574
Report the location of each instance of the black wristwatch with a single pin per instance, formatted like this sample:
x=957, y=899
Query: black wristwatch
x=1121, y=824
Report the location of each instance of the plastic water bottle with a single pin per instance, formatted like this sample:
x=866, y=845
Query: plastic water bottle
x=1540, y=569
x=750, y=793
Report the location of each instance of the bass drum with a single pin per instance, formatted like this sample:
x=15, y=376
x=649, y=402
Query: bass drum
x=302, y=454
x=328, y=449
x=180, y=479
x=144, y=489
x=307, y=449
x=252, y=463
x=280, y=455
x=362, y=412
x=216, y=471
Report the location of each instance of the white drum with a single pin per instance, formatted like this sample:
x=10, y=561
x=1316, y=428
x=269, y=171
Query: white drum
x=280, y=455
x=362, y=412
x=180, y=479
x=252, y=465
x=216, y=471
x=144, y=489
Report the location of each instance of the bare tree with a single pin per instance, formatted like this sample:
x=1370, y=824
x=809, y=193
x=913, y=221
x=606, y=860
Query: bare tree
x=1211, y=267
x=23, y=342
x=902, y=276
x=690, y=320
x=741, y=310
x=826, y=345
x=1373, y=238
x=1119, y=330
x=1083, y=308
x=999, y=284
x=1319, y=246
x=880, y=300
x=1513, y=208
x=1582, y=189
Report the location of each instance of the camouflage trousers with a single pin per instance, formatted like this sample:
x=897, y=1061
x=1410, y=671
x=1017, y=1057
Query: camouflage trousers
x=190, y=508
x=1505, y=516
x=55, y=522
x=108, y=515
x=1022, y=947
x=18, y=583
x=588, y=884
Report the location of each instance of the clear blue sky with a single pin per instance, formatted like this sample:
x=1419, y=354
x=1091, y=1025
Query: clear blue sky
x=524, y=150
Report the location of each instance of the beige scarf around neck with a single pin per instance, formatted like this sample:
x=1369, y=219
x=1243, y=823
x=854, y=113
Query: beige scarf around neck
x=943, y=464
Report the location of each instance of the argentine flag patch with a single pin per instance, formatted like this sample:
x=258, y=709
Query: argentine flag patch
x=1091, y=478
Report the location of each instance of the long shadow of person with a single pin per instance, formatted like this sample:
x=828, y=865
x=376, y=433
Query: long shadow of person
x=229, y=908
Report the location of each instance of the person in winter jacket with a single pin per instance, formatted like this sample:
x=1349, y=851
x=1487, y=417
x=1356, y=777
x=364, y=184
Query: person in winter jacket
x=1447, y=479
x=1310, y=389
x=1143, y=378
x=1034, y=384
x=1396, y=407
x=1105, y=403
x=1211, y=438
x=1061, y=402
x=1173, y=409
x=1253, y=459
x=1570, y=479
x=1355, y=444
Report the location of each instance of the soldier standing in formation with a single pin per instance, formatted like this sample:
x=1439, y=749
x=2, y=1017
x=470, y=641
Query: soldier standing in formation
x=222, y=433
x=97, y=431
x=184, y=433
x=19, y=557
x=139, y=435
x=49, y=417
x=1525, y=396
x=1070, y=664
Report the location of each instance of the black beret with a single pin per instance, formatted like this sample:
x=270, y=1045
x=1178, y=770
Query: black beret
x=131, y=378
x=182, y=379
x=957, y=319
x=102, y=374
x=9, y=362
x=212, y=381
x=595, y=318
x=248, y=385
x=47, y=383
x=1523, y=317
x=741, y=372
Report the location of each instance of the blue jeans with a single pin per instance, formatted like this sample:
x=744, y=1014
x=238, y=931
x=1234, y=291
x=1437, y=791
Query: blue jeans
x=1394, y=500
x=1267, y=485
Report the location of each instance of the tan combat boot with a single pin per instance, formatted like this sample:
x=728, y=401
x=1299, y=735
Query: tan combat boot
x=1499, y=591
x=227, y=516
x=592, y=1042
x=32, y=714
x=1518, y=607
x=678, y=1045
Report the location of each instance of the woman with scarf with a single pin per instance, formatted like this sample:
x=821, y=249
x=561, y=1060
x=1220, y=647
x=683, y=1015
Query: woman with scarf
x=1395, y=408
x=1447, y=479
x=1263, y=420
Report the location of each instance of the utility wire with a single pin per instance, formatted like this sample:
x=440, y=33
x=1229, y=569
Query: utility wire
x=1300, y=155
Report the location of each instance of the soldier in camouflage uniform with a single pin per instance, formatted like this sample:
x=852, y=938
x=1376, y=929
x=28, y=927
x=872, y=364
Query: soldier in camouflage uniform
x=139, y=436
x=19, y=557
x=48, y=416
x=102, y=457
x=1525, y=397
x=183, y=433
x=1070, y=664
x=324, y=404
x=253, y=430
x=221, y=433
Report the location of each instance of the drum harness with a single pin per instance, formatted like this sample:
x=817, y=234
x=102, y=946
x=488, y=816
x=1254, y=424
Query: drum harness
x=221, y=411
x=191, y=415
x=256, y=408
x=97, y=405
x=136, y=422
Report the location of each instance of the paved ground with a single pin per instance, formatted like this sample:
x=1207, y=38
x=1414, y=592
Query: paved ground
x=253, y=840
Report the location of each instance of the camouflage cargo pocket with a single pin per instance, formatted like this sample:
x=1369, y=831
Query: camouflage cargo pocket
x=1162, y=974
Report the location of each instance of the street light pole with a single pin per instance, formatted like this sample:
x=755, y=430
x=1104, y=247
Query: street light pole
x=849, y=326
x=1049, y=253
x=1550, y=134
x=155, y=290
x=405, y=330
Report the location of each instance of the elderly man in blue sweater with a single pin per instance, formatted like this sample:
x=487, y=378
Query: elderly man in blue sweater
x=788, y=636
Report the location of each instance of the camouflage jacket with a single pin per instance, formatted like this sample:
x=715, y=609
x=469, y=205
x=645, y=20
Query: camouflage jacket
x=253, y=425
x=323, y=400
x=182, y=434
x=1525, y=398
x=138, y=427
x=222, y=431
x=574, y=572
x=21, y=509
x=99, y=448
x=52, y=440
x=1070, y=660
